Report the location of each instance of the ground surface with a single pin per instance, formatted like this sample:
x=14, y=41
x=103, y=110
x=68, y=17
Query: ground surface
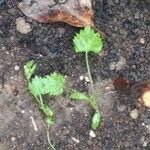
x=126, y=54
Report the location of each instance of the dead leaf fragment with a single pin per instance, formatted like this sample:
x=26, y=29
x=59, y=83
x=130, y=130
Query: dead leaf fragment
x=145, y=99
x=74, y=12
x=145, y=95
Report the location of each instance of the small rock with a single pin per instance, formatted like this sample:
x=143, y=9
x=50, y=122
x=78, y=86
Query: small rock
x=92, y=134
x=81, y=78
x=143, y=124
x=22, y=26
x=134, y=114
x=145, y=143
x=142, y=40
x=76, y=140
x=107, y=88
x=22, y=111
x=13, y=139
x=71, y=109
x=17, y=67
x=87, y=79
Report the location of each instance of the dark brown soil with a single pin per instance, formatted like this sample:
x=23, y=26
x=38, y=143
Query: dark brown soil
x=125, y=23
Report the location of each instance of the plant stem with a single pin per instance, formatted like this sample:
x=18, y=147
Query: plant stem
x=89, y=74
x=41, y=101
x=49, y=141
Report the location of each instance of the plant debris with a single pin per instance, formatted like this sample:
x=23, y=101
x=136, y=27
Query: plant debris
x=78, y=13
x=145, y=98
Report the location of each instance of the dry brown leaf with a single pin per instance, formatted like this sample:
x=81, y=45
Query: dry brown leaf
x=74, y=12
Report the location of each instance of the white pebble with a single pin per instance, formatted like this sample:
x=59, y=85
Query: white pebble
x=22, y=111
x=92, y=134
x=134, y=114
x=17, y=67
x=87, y=79
x=13, y=139
x=74, y=139
x=142, y=40
x=81, y=78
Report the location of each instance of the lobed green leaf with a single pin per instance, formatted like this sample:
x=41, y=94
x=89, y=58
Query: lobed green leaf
x=36, y=86
x=51, y=84
x=88, y=41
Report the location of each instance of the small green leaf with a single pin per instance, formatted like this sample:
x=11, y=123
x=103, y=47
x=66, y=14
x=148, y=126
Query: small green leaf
x=29, y=69
x=87, y=41
x=79, y=96
x=51, y=84
x=57, y=82
x=36, y=86
x=96, y=120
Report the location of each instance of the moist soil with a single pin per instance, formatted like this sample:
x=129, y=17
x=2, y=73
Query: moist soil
x=119, y=73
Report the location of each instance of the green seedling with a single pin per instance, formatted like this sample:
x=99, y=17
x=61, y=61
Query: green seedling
x=29, y=69
x=38, y=86
x=88, y=41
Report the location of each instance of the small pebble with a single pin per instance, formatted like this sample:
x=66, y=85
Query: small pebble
x=142, y=40
x=92, y=134
x=76, y=140
x=22, y=26
x=81, y=78
x=13, y=139
x=107, y=88
x=145, y=143
x=134, y=114
x=22, y=111
x=17, y=67
x=71, y=108
x=87, y=79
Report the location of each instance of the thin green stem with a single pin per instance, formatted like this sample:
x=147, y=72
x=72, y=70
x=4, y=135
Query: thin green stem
x=41, y=101
x=49, y=141
x=89, y=73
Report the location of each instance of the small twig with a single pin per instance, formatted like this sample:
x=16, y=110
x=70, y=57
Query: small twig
x=34, y=124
